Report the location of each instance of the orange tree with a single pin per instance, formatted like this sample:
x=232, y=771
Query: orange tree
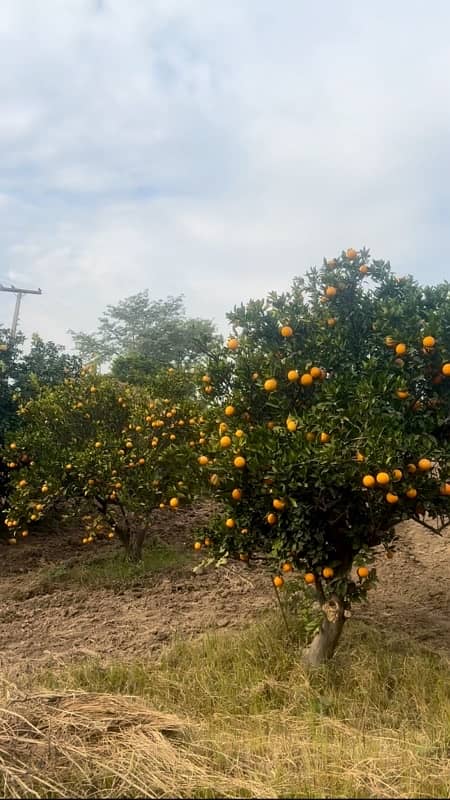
x=332, y=405
x=108, y=450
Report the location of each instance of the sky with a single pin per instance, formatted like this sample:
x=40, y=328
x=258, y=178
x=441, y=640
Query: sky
x=215, y=149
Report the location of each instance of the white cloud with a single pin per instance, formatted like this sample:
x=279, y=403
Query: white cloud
x=215, y=149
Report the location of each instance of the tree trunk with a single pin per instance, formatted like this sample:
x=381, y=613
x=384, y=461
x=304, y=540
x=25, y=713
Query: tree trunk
x=325, y=641
x=135, y=545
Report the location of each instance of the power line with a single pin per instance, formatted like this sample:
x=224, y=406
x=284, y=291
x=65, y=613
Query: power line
x=19, y=294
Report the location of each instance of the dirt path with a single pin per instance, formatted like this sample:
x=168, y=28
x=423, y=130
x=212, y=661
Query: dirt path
x=413, y=597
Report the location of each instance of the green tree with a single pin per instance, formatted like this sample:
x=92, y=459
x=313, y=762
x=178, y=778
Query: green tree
x=333, y=410
x=45, y=365
x=141, y=336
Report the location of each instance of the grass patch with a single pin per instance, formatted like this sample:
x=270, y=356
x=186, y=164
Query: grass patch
x=111, y=571
x=374, y=723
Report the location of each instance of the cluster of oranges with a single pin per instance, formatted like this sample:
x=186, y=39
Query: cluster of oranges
x=384, y=479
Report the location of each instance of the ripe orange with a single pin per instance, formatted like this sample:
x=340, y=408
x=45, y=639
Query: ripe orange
x=12, y=540
x=324, y=437
x=13, y=446
x=25, y=534
x=446, y=369
x=206, y=379
x=279, y=504
x=331, y=291
x=424, y=464
x=239, y=433
x=239, y=462
x=174, y=502
x=411, y=493
x=272, y=519
x=223, y=427
x=411, y=468
x=203, y=460
x=286, y=567
x=369, y=481
x=111, y=535
x=383, y=478
x=286, y=331
x=293, y=375
x=225, y=441
x=233, y=344
x=271, y=425
x=229, y=411
x=236, y=494
x=445, y=489
x=402, y=394
x=397, y=474
x=351, y=254
x=360, y=456
x=389, y=341
x=197, y=545
x=270, y=384
x=291, y=425
x=362, y=572
x=401, y=349
x=310, y=578
x=306, y=379
x=391, y=498
x=208, y=389
x=315, y=372
x=428, y=341
x=278, y=581
x=230, y=523
x=22, y=484
x=331, y=322
x=98, y=445
x=328, y=572
x=364, y=269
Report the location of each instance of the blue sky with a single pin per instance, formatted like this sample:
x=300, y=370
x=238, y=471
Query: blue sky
x=215, y=149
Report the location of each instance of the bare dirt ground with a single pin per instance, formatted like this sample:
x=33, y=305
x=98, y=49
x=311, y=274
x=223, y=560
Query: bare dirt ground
x=69, y=622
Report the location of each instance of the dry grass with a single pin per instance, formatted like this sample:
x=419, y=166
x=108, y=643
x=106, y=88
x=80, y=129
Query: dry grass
x=235, y=715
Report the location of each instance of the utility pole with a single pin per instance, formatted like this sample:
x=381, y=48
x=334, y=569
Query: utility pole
x=19, y=294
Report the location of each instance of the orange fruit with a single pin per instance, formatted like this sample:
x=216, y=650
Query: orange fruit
x=391, y=498
x=208, y=389
x=230, y=523
x=271, y=425
x=286, y=567
x=203, y=460
x=328, y=572
x=411, y=493
x=383, y=478
x=278, y=581
x=331, y=322
x=270, y=384
x=279, y=504
x=310, y=578
x=315, y=372
x=400, y=349
x=369, y=481
x=445, y=489
x=331, y=291
x=206, y=379
x=239, y=462
x=389, y=341
x=364, y=269
x=293, y=375
x=229, y=411
x=360, y=456
x=446, y=369
x=411, y=468
x=271, y=519
x=428, y=341
x=351, y=254
x=225, y=441
x=197, y=545
x=174, y=502
x=207, y=542
x=12, y=540
x=402, y=394
x=233, y=343
x=223, y=427
x=324, y=437
x=25, y=534
x=22, y=484
x=286, y=331
x=239, y=433
x=255, y=376
x=362, y=572
x=291, y=425
x=310, y=436
x=236, y=494
x=397, y=474
x=424, y=464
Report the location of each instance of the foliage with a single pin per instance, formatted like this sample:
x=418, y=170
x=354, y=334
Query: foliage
x=45, y=365
x=142, y=336
x=319, y=391
x=108, y=449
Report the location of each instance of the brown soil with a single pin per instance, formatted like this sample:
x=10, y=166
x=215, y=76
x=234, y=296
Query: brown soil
x=412, y=598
